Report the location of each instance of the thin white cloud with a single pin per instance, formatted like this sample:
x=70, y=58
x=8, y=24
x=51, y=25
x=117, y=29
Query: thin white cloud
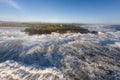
x=11, y=3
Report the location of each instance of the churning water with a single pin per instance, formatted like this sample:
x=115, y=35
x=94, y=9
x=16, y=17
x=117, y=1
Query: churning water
x=70, y=56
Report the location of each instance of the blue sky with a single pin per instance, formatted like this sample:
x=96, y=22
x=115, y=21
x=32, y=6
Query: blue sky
x=70, y=11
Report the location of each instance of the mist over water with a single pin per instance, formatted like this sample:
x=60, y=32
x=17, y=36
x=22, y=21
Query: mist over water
x=70, y=56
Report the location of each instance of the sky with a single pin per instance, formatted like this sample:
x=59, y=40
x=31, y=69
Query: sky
x=61, y=11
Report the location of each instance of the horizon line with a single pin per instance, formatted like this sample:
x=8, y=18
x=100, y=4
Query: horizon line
x=59, y=22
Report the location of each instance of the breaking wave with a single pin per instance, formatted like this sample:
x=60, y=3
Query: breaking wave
x=70, y=56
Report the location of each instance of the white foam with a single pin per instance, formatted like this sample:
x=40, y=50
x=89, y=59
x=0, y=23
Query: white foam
x=38, y=57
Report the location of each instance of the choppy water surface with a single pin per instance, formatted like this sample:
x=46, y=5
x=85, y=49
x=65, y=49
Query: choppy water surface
x=70, y=56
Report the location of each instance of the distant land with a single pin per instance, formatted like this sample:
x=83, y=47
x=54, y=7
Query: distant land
x=32, y=24
x=47, y=28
